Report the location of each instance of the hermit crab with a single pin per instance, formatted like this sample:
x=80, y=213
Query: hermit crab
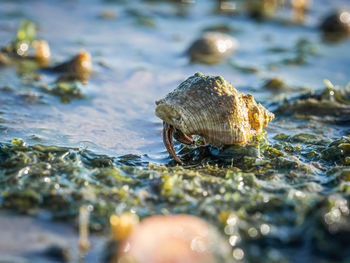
x=210, y=107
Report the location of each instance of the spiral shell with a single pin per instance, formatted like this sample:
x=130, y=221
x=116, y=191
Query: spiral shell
x=211, y=107
x=80, y=66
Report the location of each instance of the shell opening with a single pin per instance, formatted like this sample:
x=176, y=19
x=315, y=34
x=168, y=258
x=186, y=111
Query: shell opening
x=169, y=114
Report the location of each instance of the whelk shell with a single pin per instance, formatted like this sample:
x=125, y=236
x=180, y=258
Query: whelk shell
x=210, y=107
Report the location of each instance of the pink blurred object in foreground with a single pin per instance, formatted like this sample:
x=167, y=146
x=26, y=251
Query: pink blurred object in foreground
x=173, y=239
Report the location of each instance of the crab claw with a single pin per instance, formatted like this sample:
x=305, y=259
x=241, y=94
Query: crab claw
x=168, y=132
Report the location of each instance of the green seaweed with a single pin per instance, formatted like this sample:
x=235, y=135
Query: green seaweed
x=66, y=91
x=268, y=191
x=330, y=104
x=26, y=34
x=282, y=200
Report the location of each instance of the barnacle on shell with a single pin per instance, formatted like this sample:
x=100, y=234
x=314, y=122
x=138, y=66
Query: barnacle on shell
x=211, y=107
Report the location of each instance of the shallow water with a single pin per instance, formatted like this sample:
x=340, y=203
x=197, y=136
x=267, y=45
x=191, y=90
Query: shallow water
x=118, y=117
x=137, y=63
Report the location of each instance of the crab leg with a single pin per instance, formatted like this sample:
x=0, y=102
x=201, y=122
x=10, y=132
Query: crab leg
x=167, y=133
x=183, y=138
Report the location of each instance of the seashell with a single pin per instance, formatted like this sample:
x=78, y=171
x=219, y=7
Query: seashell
x=210, y=107
x=122, y=225
x=42, y=51
x=299, y=9
x=212, y=47
x=80, y=66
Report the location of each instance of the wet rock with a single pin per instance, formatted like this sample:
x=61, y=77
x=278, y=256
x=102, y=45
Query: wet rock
x=21, y=201
x=261, y=9
x=212, y=48
x=309, y=139
x=336, y=26
x=58, y=253
x=275, y=85
x=337, y=151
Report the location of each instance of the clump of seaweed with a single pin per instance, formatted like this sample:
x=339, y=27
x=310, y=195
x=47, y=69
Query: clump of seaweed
x=25, y=45
x=260, y=197
x=25, y=36
x=299, y=55
x=66, y=91
x=331, y=104
x=262, y=9
x=60, y=180
x=29, y=54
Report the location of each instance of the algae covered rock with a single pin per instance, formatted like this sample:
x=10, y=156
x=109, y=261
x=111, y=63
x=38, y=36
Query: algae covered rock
x=331, y=104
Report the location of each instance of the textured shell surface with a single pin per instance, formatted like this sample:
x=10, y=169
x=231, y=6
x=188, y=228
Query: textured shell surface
x=211, y=107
